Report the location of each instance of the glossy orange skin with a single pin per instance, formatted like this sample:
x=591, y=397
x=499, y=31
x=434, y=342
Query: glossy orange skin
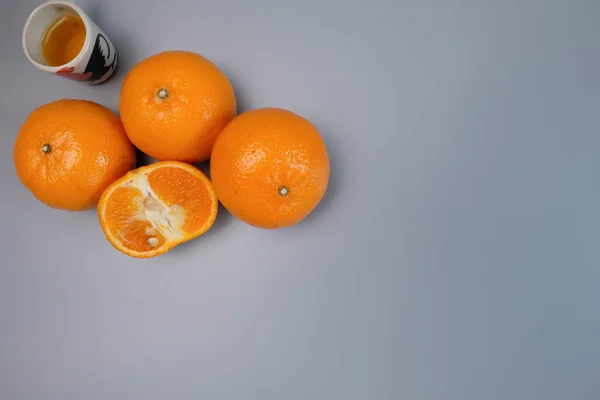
x=183, y=126
x=259, y=154
x=88, y=150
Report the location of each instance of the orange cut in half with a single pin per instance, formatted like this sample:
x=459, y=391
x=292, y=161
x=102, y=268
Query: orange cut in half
x=152, y=209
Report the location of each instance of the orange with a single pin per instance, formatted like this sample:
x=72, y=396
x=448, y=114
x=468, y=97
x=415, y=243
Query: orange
x=174, y=104
x=270, y=167
x=68, y=151
x=154, y=208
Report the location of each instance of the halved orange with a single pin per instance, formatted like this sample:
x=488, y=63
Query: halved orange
x=154, y=208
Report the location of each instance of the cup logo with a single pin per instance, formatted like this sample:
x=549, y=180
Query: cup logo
x=102, y=61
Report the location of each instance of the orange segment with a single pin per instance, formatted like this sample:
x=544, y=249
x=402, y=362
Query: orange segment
x=175, y=186
x=154, y=208
x=128, y=222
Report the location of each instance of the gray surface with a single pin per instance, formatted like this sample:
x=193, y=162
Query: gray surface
x=453, y=257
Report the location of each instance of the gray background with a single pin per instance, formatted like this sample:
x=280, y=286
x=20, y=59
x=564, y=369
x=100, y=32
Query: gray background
x=452, y=258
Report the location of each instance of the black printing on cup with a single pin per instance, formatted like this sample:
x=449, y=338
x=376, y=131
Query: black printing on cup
x=102, y=61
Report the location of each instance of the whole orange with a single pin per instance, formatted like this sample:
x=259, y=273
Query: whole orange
x=270, y=167
x=68, y=151
x=174, y=104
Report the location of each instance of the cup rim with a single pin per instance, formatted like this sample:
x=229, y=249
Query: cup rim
x=84, y=48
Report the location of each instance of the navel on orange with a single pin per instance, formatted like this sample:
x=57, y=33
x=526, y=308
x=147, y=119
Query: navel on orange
x=174, y=104
x=68, y=151
x=154, y=208
x=270, y=167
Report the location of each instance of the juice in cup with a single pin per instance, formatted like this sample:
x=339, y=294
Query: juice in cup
x=63, y=40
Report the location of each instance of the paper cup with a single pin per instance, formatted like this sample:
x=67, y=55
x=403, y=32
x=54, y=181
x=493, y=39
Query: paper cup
x=97, y=59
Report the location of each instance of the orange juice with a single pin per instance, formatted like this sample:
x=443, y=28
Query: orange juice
x=63, y=40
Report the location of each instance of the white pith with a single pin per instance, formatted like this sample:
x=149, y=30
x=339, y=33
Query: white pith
x=164, y=219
